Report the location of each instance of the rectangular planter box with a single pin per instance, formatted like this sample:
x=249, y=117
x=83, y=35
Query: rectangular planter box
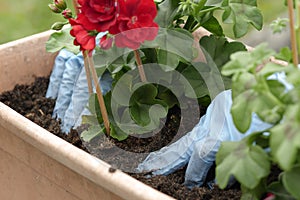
x=35, y=164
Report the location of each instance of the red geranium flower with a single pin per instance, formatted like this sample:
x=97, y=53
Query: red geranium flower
x=83, y=37
x=135, y=23
x=100, y=14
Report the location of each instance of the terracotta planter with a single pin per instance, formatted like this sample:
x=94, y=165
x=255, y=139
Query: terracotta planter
x=35, y=164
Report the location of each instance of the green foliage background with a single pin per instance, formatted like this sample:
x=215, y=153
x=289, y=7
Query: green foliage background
x=21, y=18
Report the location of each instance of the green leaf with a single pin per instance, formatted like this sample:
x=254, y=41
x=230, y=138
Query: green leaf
x=285, y=138
x=92, y=132
x=279, y=191
x=196, y=80
x=214, y=3
x=167, y=96
x=91, y=120
x=213, y=26
x=248, y=164
x=242, y=109
x=255, y=193
x=285, y=54
x=236, y=64
x=206, y=79
x=276, y=88
x=176, y=41
x=142, y=101
x=219, y=49
x=247, y=61
x=261, y=53
x=117, y=133
x=291, y=97
x=271, y=68
x=93, y=105
x=166, y=12
x=242, y=82
x=60, y=40
x=113, y=59
x=257, y=100
x=279, y=25
x=167, y=59
x=293, y=74
x=123, y=90
x=242, y=14
x=290, y=181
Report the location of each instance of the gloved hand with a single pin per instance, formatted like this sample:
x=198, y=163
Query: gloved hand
x=68, y=85
x=198, y=148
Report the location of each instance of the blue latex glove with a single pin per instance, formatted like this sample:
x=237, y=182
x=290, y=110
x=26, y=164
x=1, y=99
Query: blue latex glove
x=57, y=73
x=68, y=85
x=198, y=148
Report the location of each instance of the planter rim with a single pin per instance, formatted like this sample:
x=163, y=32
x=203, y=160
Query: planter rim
x=5, y=46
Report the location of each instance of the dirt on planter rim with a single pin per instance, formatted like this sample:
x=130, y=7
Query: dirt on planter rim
x=30, y=101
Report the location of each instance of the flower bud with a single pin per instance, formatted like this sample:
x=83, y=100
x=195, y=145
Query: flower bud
x=58, y=26
x=106, y=42
x=54, y=8
x=67, y=13
x=61, y=4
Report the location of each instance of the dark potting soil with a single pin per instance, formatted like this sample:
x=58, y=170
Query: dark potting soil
x=30, y=101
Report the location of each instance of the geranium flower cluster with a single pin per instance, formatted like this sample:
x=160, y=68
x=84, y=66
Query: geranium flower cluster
x=128, y=23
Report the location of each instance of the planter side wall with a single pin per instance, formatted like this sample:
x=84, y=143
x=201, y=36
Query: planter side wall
x=27, y=173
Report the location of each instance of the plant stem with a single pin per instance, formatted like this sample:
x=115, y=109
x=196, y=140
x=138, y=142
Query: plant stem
x=90, y=67
x=140, y=65
x=189, y=22
x=87, y=71
x=298, y=26
x=99, y=95
x=293, y=32
x=85, y=57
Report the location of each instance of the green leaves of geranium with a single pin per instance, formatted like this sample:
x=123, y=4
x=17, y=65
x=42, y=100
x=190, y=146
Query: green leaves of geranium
x=166, y=12
x=251, y=90
x=142, y=113
x=248, y=164
x=205, y=78
x=240, y=13
x=60, y=40
x=285, y=138
x=291, y=179
x=145, y=107
x=272, y=92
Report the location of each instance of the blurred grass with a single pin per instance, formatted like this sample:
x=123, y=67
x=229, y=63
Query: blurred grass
x=271, y=9
x=21, y=18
